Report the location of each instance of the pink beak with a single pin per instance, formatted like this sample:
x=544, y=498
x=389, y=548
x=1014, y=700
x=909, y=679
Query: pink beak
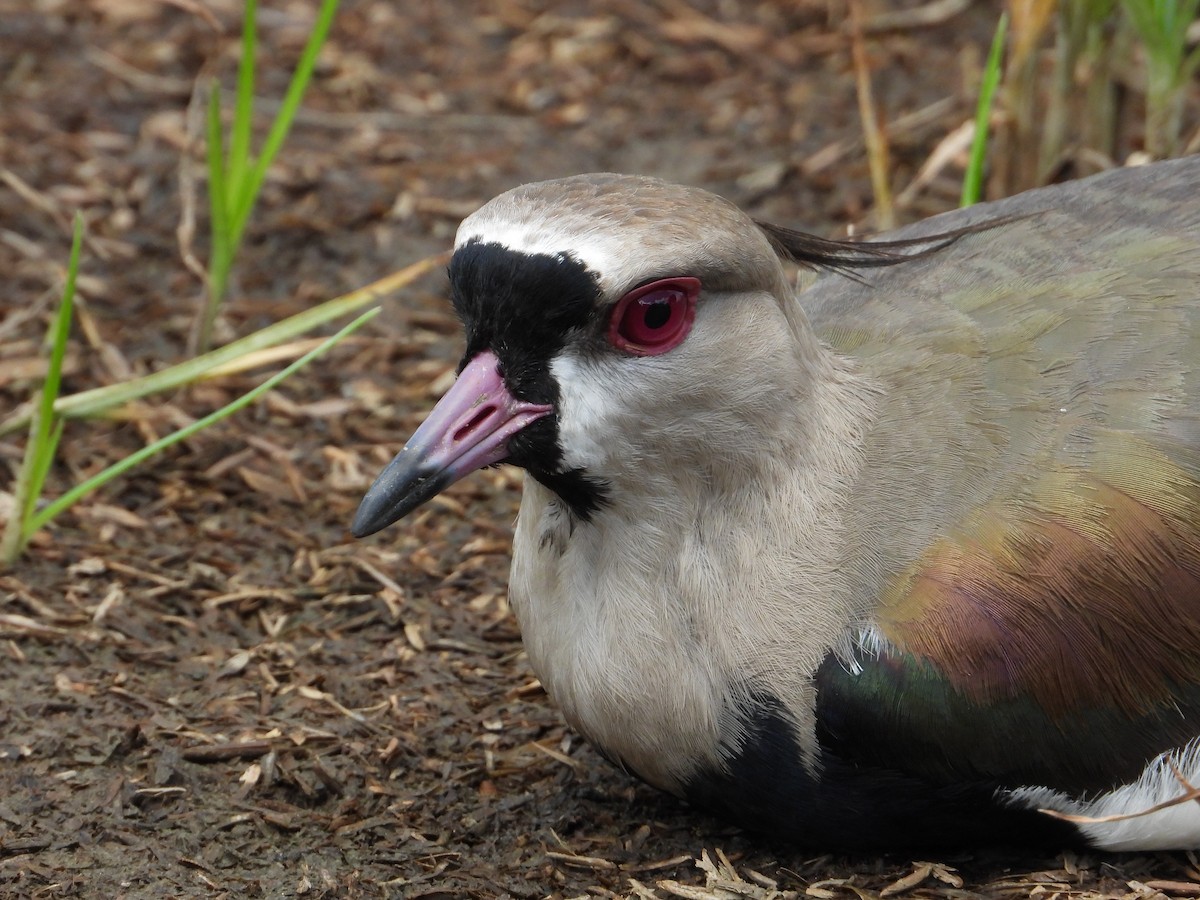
x=468, y=429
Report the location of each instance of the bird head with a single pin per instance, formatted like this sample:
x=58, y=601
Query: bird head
x=618, y=329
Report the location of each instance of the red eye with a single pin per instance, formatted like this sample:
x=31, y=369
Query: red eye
x=655, y=317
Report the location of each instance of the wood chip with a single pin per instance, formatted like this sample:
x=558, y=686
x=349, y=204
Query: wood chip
x=314, y=694
x=115, y=596
x=412, y=634
x=105, y=512
x=230, y=750
x=821, y=889
x=17, y=846
x=269, y=485
x=250, y=593
x=687, y=892
x=12, y=623
x=658, y=864
x=1183, y=888
x=934, y=13
x=920, y=873
x=168, y=791
x=556, y=755
x=582, y=862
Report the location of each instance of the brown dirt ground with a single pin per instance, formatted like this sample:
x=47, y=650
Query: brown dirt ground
x=210, y=690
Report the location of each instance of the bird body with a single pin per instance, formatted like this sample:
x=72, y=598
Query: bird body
x=902, y=559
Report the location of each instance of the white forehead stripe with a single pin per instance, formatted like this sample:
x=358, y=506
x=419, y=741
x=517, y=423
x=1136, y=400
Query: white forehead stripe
x=600, y=253
x=625, y=229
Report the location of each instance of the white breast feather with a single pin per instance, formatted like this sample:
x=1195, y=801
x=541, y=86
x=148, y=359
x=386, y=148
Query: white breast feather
x=650, y=623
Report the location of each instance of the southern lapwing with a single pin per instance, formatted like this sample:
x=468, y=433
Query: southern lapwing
x=911, y=556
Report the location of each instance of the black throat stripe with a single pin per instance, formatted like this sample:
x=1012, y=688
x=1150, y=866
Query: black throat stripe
x=525, y=307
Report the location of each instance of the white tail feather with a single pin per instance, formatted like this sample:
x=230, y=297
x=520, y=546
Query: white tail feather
x=1130, y=825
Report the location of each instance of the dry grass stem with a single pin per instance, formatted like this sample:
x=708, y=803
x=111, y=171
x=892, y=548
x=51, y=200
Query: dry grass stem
x=873, y=135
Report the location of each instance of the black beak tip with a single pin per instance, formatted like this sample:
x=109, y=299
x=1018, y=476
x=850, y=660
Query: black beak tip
x=374, y=512
x=397, y=491
x=365, y=524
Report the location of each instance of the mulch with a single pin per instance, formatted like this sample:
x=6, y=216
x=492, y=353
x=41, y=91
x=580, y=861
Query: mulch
x=208, y=688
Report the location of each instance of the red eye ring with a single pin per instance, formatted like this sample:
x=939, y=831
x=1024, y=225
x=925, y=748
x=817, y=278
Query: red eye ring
x=655, y=317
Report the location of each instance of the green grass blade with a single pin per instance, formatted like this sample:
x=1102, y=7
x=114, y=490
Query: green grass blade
x=287, y=112
x=221, y=251
x=45, y=441
x=12, y=541
x=96, y=401
x=1162, y=27
x=243, y=115
x=41, y=467
x=62, y=326
x=118, y=468
x=973, y=179
x=44, y=429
